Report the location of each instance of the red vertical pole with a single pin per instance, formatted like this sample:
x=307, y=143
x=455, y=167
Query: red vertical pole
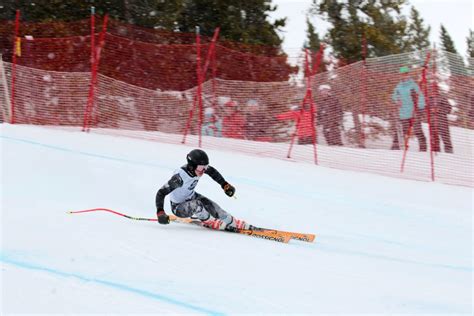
x=211, y=50
x=95, y=68
x=199, y=79
x=364, y=88
x=92, y=61
x=428, y=114
x=435, y=93
x=97, y=60
x=92, y=36
x=202, y=75
x=16, y=39
x=214, y=82
x=309, y=98
x=308, y=73
x=200, y=71
x=314, y=112
x=197, y=96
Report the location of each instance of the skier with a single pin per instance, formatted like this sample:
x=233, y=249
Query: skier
x=185, y=202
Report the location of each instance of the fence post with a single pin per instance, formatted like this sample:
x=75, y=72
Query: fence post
x=95, y=69
x=309, y=98
x=16, y=50
x=3, y=81
x=200, y=71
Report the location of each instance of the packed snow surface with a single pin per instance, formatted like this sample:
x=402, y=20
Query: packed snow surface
x=383, y=245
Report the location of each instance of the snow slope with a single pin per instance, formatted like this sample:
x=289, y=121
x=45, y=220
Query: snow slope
x=383, y=245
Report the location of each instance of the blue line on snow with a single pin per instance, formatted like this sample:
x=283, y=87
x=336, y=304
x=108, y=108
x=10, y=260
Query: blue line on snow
x=114, y=285
x=319, y=195
x=73, y=151
x=248, y=181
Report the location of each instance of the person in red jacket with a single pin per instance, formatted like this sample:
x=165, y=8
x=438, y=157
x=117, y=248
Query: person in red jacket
x=233, y=124
x=305, y=129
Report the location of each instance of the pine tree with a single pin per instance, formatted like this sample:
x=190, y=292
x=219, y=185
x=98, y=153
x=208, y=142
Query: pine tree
x=242, y=21
x=313, y=44
x=139, y=12
x=446, y=41
x=418, y=35
x=380, y=22
x=151, y=14
x=313, y=41
x=42, y=11
x=470, y=44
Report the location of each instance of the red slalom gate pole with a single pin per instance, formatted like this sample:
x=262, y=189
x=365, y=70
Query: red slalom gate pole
x=16, y=47
x=200, y=73
x=95, y=68
x=298, y=120
x=113, y=212
x=424, y=90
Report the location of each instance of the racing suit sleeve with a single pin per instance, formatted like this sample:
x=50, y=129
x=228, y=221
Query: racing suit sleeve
x=215, y=175
x=167, y=188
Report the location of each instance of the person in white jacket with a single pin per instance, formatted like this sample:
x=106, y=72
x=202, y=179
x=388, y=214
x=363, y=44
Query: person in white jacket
x=186, y=202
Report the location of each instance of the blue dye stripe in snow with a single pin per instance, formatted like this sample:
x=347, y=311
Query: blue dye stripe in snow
x=113, y=285
x=73, y=151
x=90, y=154
x=339, y=198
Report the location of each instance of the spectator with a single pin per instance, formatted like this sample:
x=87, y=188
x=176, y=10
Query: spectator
x=411, y=103
x=234, y=121
x=305, y=129
x=330, y=116
x=439, y=109
x=256, y=122
x=212, y=125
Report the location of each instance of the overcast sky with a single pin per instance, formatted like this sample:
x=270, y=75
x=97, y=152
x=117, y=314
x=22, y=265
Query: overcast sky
x=455, y=15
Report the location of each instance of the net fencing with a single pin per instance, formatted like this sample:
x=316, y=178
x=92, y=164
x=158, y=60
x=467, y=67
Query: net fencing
x=409, y=115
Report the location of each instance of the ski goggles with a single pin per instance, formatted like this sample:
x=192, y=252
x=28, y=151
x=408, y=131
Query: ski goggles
x=201, y=168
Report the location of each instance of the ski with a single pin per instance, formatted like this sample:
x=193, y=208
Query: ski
x=293, y=235
x=257, y=233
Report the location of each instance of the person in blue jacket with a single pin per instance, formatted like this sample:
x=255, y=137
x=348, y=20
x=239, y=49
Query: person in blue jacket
x=411, y=103
x=212, y=125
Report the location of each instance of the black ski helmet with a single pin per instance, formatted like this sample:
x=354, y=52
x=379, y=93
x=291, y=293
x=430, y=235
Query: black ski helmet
x=197, y=157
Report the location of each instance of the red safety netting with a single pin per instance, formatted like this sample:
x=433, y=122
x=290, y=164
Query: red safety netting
x=147, y=58
x=355, y=120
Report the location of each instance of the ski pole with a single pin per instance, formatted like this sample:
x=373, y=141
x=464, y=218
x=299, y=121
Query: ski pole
x=113, y=212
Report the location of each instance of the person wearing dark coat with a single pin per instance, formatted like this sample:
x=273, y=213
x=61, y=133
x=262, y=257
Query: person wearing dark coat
x=330, y=116
x=439, y=109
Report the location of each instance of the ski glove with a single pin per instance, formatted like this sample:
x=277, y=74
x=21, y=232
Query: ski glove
x=162, y=217
x=228, y=189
